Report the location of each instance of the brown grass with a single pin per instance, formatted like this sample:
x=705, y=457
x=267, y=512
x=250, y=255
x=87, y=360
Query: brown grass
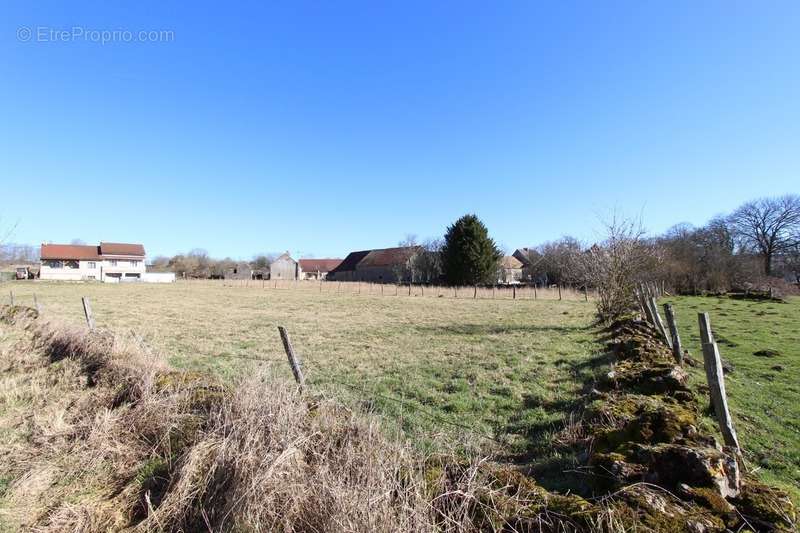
x=101, y=435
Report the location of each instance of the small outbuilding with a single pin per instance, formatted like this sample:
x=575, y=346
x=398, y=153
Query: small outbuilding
x=241, y=270
x=284, y=267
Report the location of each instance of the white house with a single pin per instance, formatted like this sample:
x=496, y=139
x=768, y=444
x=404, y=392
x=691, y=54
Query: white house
x=110, y=262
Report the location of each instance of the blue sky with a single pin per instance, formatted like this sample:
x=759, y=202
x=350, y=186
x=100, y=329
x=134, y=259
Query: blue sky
x=323, y=127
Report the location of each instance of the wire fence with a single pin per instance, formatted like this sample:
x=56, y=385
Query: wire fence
x=318, y=376
x=366, y=288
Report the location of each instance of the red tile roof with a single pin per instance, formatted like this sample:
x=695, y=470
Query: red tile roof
x=117, y=248
x=389, y=256
x=69, y=251
x=319, y=265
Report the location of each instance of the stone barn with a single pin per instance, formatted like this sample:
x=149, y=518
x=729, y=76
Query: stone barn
x=240, y=271
x=346, y=270
x=388, y=265
x=384, y=265
x=284, y=267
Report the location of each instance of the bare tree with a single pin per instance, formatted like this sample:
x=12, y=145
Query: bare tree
x=409, y=240
x=552, y=262
x=262, y=261
x=427, y=264
x=615, y=266
x=767, y=227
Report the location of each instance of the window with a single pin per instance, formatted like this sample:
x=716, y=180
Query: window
x=54, y=263
x=134, y=263
x=70, y=264
x=113, y=262
x=91, y=265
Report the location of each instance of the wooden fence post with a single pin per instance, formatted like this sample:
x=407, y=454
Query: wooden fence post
x=559, y=291
x=585, y=293
x=658, y=322
x=294, y=362
x=716, y=382
x=36, y=304
x=87, y=311
x=534, y=291
x=11, y=298
x=475, y=293
x=513, y=292
x=409, y=289
x=648, y=313
x=677, y=349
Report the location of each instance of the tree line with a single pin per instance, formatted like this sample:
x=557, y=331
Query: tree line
x=758, y=244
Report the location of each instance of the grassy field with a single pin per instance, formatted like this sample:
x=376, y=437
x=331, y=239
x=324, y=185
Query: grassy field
x=761, y=340
x=489, y=374
x=497, y=375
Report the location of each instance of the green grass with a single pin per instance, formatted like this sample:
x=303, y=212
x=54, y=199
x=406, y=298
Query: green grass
x=463, y=369
x=460, y=369
x=763, y=392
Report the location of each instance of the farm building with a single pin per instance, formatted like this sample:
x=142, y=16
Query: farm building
x=510, y=270
x=317, y=268
x=528, y=257
x=241, y=270
x=385, y=265
x=110, y=262
x=284, y=267
x=346, y=270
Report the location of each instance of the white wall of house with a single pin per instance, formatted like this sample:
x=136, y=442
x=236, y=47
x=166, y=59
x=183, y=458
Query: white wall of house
x=122, y=269
x=106, y=269
x=71, y=270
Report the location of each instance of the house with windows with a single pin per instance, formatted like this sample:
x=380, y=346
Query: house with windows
x=110, y=262
x=510, y=270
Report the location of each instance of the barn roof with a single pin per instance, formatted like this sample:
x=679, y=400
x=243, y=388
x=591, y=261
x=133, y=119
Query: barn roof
x=69, y=251
x=349, y=263
x=319, y=265
x=284, y=256
x=119, y=248
x=524, y=255
x=389, y=256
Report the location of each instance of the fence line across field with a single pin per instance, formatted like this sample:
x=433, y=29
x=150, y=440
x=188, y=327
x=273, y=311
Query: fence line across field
x=463, y=292
x=646, y=296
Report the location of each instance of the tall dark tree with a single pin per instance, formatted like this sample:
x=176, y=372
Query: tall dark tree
x=469, y=255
